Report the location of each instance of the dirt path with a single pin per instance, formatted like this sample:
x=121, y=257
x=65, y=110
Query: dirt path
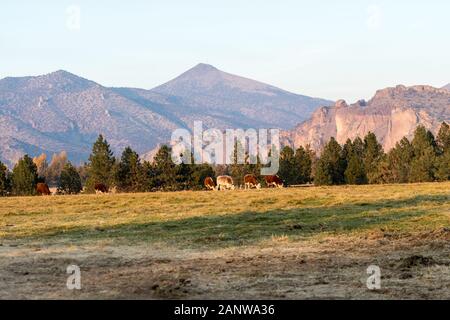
x=412, y=268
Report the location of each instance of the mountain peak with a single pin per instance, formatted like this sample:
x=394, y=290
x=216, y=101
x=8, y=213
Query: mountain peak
x=201, y=70
x=204, y=77
x=56, y=75
x=64, y=80
x=205, y=67
x=58, y=79
x=62, y=74
x=447, y=87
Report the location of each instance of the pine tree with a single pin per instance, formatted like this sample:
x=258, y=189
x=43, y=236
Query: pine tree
x=165, y=171
x=128, y=176
x=443, y=161
x=423, y=165
x=101, y=164
x=24, y=177
x=398, y=163
x=353, y=153
x=5, y=182
x=323, y=175
x=331, y=166
x=314, y=160
x=333, y=154
x=373, y=154
x=443, y=138
x=355, y=173
x=148, y=177
x=288, y=170
x=358, y=147
x=443, y=167
x=384, y=172
x=303, y=165
x=347, y=151
x=70, y=180
x=184, y=176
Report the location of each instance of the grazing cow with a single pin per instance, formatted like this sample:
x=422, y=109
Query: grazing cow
x=250, y=182
x=101, y=188
x=209, y=184
x=274, y=181
x=225, y=182
x=42, y=189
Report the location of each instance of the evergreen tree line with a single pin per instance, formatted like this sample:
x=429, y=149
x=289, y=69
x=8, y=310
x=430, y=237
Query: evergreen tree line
x=126, y=174
x=424, y=159
x=362, y=161
x=25, y=176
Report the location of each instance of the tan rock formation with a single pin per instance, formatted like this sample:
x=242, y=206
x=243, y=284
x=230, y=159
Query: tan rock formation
x=392, y=114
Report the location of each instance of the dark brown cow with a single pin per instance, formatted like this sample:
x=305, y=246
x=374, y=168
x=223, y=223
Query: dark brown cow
x=274, y=181
x=101, y=188
x=250, y=182
x=42, y=189
x=209, y=184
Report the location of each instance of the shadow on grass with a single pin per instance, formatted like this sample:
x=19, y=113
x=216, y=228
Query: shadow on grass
x=224, y=230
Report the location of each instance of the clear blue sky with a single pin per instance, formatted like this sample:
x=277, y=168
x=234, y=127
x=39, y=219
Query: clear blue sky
x=330, y=49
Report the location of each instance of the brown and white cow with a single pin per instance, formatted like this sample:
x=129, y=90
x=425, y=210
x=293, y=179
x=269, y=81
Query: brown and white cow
x=251, y=182
x=101, y=188
x=42, y=189
x=225, y=183
x=209, y=184
x=273, y=181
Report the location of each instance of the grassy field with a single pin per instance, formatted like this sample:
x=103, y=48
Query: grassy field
x=291, y=243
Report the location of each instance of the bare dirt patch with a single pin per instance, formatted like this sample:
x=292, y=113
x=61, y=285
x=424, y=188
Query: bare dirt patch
x=412, y=268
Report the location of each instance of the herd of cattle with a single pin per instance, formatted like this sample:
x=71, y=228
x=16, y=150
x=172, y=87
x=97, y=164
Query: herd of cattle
x=223, y=183
x=250, y=182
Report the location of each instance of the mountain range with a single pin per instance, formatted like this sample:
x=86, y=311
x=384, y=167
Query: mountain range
x=62, y=111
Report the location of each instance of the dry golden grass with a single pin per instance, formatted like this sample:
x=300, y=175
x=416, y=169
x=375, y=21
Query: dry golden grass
x=227, y=218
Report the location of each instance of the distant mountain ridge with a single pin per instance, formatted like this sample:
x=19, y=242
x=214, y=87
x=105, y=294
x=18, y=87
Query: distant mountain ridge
x=391, y=114
x=222, y=100
x=61, y=111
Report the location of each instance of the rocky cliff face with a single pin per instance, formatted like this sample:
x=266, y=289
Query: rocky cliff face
x=391, y=114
